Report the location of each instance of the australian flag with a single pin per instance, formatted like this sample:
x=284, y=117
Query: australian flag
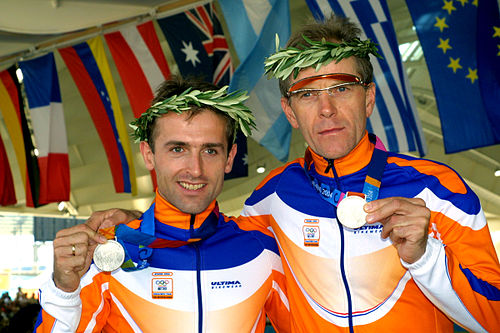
x=200, y=49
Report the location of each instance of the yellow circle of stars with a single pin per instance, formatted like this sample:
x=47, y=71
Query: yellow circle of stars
x=444, y=44
x=496, y=33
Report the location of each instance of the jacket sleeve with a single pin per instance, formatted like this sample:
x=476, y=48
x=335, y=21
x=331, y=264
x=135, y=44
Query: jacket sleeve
x=277, y=307
x=60, y=310
x=459, y=271
x=256, y=211
x=85, y=309
x=96, y=300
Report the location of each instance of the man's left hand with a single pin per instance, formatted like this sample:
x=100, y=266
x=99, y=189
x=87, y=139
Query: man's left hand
x=405, y=221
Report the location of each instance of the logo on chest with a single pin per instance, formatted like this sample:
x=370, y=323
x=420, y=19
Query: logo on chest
x=225, y=284
x=162, y=285
x=311, y=234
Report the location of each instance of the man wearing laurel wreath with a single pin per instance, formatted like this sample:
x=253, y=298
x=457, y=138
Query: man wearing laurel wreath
x=182, y=266
x=370, y=240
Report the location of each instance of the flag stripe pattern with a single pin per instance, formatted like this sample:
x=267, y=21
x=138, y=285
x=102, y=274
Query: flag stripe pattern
x=148, y=34
x=140, y=62
x=44, y=99
x=395, y=118
x=253, y=25
x=7, y=191
x=89, y=68
x=12, y=107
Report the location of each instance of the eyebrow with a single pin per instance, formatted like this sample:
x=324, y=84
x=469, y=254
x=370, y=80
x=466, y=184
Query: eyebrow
x=185, y=144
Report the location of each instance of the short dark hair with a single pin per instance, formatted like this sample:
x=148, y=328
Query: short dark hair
x=334, y=29
x=176, y=85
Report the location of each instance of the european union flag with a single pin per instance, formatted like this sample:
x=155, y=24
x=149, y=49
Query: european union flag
x=460, y=40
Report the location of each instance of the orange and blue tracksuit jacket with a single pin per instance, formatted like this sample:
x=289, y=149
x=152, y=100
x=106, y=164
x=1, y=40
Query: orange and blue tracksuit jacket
x=204, y=274
x=351, y=280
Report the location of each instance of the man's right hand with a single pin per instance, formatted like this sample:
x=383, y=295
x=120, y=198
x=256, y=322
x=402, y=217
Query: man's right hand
x=74, y=247
x=73, y=251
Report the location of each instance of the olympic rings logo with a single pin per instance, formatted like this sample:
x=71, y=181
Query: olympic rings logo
x=162, y=282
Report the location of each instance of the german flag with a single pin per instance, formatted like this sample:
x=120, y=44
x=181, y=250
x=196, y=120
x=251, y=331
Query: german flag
x=12, y=108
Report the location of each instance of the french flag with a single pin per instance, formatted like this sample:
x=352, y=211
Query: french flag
x=44, y=99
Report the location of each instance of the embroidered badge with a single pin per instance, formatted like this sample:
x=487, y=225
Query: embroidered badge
x=311, y=235
x=162, y=285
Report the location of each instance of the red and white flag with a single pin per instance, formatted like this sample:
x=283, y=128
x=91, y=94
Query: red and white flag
x=140, y=62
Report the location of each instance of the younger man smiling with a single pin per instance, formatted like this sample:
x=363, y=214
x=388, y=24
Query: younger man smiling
x=187, y=267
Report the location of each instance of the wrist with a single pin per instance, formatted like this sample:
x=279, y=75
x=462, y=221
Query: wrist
x=429, y=256
x=64, y=287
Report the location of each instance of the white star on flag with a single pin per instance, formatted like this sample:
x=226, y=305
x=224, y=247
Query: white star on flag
x=191, y=54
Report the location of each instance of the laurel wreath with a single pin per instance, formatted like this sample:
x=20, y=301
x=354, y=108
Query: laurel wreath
x=318, y=53
x=230, y=103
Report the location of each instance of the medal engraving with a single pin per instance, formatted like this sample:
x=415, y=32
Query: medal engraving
x=109, y=256
x=350, y=212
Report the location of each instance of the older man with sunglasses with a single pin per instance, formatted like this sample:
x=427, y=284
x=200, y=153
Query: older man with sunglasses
x=370, y=240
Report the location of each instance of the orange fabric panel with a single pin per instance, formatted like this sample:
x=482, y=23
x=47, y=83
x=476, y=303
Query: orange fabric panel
x=448, y=179
x=47, y=323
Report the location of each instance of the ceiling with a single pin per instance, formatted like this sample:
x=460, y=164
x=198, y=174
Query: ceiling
x=31, y=27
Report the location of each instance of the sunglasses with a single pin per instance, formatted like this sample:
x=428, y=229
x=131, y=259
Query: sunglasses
x=346, y=79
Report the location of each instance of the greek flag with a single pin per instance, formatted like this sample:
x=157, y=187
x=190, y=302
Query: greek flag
x=394, y=120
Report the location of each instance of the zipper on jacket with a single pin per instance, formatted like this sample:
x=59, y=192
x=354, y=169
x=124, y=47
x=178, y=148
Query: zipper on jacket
x=344, y=278
x=329, y=166
x=198, y=276
x=342, y=245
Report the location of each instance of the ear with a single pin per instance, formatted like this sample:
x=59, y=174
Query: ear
x=287, y=109
x=230, y=158
x=147, y=155
x=370, y=99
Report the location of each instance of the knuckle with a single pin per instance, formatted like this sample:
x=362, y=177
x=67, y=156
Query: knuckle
x=420, y=201
x=396, y=203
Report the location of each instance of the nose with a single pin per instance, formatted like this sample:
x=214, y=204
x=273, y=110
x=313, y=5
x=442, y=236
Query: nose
x=195, y=165
x=327, y=105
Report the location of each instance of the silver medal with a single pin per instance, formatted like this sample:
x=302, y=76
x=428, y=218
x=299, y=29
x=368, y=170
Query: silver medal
x=350, y=211
x=109, y=256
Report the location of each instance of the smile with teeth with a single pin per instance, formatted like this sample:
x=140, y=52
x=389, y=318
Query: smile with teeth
x=188, y=186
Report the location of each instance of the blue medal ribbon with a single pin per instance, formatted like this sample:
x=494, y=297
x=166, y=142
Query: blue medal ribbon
x=147, y=241
x=142, y=237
